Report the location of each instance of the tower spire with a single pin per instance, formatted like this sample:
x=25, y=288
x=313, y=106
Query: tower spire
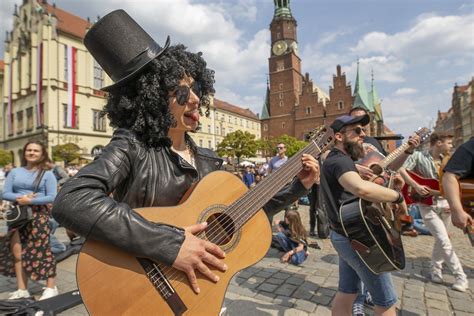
x=361, y=95
x=282, y=8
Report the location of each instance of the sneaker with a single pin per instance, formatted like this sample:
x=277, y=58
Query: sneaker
x=368, y=299
x=436, y=278
x=19, y=294
x=49, y=292
x=358, y=309
x=460, y=284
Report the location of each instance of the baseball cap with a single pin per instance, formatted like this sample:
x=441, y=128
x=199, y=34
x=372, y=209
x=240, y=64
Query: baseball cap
x=346, y=120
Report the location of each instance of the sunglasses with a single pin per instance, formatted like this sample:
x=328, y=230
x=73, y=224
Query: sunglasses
x=280, y=147
x=183, y=92
x=358, y=130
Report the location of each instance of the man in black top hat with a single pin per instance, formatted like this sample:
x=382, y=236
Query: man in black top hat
x=341, y=181
x=156, y=100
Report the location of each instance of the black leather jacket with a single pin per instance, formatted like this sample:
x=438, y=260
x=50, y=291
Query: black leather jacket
x=139, y=177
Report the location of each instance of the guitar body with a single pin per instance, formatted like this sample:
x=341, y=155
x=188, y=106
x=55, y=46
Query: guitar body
x=371, y=160
x=467, y=195
x=410, y=194
x=378, y=244
x=113, y=282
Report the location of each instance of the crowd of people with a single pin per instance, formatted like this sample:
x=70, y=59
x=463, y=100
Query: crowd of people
x=152, y=161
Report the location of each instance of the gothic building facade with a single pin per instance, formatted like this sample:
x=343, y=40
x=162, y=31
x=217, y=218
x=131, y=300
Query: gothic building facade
x=294, y=104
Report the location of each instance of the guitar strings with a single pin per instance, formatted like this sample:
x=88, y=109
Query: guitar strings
x=247, y=201
x=280, y=179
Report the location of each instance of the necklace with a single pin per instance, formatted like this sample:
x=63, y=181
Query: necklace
x=187, y=155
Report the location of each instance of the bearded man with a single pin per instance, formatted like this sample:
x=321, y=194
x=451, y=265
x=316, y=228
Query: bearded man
x=340, y=181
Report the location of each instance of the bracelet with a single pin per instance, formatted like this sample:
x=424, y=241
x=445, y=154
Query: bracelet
x=400, y=199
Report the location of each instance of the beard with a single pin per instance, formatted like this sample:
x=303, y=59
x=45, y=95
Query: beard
x=354, y=149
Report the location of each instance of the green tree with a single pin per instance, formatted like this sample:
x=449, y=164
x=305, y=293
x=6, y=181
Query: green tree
x=238, y=144
x=67, y=152
x=292, y=144
x=5, y=157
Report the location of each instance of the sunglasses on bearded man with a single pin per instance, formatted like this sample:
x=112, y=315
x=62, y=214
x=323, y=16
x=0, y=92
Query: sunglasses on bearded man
x=358, y=130
x=183, y=92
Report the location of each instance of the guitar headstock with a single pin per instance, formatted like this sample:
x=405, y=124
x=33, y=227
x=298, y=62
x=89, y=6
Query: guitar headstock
x=322, y=136
x=424, y=133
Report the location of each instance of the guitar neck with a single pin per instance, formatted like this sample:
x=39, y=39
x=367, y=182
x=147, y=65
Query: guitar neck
x=394, y=155
x=250, y=203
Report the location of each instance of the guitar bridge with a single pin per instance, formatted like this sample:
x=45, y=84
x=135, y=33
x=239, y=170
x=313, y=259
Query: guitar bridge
x=163, y=286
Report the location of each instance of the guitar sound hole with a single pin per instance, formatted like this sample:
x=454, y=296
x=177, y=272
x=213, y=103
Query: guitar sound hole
x=221, y=228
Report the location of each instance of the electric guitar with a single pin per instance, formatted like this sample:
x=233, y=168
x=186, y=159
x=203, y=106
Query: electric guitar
x=410, y=194
x=113, y=282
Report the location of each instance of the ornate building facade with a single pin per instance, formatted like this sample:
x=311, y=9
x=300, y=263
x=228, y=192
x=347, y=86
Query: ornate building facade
x=50, y=89
x=294, y=104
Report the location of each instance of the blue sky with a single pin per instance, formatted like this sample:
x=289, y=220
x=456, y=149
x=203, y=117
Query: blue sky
x=417, y=49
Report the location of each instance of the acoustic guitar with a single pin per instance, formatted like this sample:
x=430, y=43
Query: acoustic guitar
x=113, y=282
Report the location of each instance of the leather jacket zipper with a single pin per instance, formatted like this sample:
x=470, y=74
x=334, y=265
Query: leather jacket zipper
x=153, y=186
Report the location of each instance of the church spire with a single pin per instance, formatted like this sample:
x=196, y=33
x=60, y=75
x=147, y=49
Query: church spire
x=282, y=8
x=375, y=101
x=265, y=113
x=361, y=96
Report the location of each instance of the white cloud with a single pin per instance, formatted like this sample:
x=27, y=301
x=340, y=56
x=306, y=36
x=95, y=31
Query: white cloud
x=431, y=37
x=405, y=91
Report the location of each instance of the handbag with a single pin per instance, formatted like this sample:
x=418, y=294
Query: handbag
x=18, y=216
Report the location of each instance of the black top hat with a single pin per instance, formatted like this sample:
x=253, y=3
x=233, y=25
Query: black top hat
x=121, y=47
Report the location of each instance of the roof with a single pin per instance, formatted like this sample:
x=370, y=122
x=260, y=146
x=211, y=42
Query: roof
x=322, y=96
x=68, y=22
x=462, y=89
x=361, y=99
x=222, y=105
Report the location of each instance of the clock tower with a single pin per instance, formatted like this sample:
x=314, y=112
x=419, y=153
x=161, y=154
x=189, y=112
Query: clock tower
x=285, y=76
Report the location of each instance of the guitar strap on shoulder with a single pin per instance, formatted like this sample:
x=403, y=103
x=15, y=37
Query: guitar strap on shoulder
x=38, y=180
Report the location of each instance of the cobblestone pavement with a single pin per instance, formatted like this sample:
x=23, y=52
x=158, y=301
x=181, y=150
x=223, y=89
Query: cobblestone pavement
x=273, y=288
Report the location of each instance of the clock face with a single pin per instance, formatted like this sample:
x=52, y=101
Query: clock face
x=279, y=47
x=294, y=47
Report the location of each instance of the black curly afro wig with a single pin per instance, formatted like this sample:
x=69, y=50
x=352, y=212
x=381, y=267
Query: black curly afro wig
x=141, y=105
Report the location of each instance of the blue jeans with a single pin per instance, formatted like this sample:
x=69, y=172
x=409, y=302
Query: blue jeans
x=418, y=223
x=56, y=245
x=287, y=244
x=352, y=270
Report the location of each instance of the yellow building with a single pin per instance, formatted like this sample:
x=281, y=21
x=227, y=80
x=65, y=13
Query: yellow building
x=44, y=32
x=225, y=118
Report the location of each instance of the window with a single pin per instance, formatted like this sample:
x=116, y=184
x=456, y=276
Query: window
x=308, y=110
x=76, y=116
x=209, y=129
x=19, y=122
x=247, y=123
x=231, y=129
x=278, y=35
x=265, y=127
x=29, y=119
x=281, y=86
x=217, y=116
x=235, y=121
x=280, y=65
x=241, y=122
x=98, y=76
x=65, y=62
x=209, y=144
x=223, y=118
x=280, y=96
x=200, y=143
x=340, y=105
x=283, y=125
x=281, y=103
x=98, y=121
x=230, y=119
x=217, y=130
x=223, y=131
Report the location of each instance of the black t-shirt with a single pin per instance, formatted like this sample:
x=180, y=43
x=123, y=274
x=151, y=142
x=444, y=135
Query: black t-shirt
x=375, y=143
x=462, y=161
x=336, y=164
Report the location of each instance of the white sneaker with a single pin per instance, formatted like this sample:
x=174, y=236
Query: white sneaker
x=436, y=278
x=49, y=292
x=461, y=284
x=19, y=294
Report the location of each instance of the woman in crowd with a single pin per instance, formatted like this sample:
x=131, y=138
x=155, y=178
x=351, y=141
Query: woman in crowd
x=26, y=252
